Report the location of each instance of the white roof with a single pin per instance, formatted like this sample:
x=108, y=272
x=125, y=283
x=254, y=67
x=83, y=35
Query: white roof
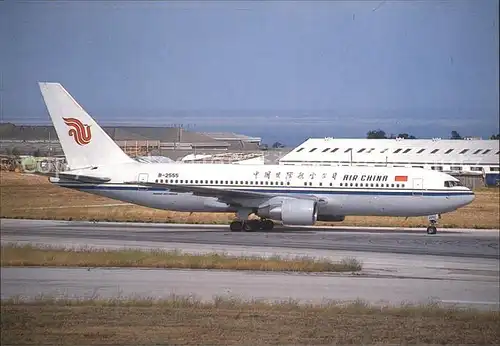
x=396, y=150
x=153, y=159
x=190, y=157
x=230, y=136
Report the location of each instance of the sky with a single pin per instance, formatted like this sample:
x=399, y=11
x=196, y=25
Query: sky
x=282, y=70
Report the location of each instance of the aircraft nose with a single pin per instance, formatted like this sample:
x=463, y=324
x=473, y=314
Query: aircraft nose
x=471, y=196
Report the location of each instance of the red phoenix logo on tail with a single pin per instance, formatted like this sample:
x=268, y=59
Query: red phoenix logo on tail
x=80, y=132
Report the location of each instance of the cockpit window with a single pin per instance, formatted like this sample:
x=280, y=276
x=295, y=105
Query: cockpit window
x=450, y=183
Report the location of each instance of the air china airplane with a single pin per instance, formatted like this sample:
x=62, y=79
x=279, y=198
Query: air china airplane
x=292, y=195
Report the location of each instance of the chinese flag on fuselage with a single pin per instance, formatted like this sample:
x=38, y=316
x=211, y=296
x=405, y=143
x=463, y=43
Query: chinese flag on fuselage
x=401, y=178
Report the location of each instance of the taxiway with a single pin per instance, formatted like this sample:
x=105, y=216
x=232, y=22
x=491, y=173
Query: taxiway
x=475, y=244
x=451, y=267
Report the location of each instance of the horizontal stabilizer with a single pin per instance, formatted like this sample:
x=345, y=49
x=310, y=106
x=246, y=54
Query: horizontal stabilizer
x=76, y=177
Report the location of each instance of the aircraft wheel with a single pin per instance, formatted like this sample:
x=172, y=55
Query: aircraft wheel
x=431, y=230
x=236, y=226
x=267, y=225
x=252, y=225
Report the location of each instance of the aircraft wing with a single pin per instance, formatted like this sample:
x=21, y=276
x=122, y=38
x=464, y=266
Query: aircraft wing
x=231, y=196
x=76, y=177
x=205, y=191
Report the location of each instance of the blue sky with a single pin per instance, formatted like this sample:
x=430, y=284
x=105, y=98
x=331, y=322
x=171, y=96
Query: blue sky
x=279, y=69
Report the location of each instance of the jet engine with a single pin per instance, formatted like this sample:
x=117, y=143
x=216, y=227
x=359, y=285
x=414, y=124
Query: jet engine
x=292, y=212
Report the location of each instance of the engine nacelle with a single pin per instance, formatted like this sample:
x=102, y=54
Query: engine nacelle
x=292, y=212
x=331, y=218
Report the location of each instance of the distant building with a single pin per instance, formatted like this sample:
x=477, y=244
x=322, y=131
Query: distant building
x=469, y=156
x=173, y=142
x=236, y=141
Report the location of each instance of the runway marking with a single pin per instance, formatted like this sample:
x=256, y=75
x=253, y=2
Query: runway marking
x=79, y=206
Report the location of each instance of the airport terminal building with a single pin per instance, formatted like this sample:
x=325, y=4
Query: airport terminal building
x=458, y=157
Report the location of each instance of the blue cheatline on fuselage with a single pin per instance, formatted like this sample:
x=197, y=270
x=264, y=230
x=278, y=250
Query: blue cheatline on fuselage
x=291, y=190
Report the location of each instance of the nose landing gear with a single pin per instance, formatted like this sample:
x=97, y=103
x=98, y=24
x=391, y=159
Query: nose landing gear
x=433, y=219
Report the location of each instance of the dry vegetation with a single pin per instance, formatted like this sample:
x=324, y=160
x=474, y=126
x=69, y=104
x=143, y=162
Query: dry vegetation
x=227, y=321
x=27, y=255
x=28, y=196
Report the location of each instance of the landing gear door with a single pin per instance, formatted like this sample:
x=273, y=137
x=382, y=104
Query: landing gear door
x=418, y=186
x=143, y=178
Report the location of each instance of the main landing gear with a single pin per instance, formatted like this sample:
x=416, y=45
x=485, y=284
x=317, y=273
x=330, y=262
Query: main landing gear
x=431, y=229
x=244, y=224
x=251, y=225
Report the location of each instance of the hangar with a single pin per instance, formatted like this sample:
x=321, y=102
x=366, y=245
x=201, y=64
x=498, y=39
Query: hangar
x=459, y=157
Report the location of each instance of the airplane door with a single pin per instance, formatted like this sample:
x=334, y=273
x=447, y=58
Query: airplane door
x=418, y=186
x=143, y=178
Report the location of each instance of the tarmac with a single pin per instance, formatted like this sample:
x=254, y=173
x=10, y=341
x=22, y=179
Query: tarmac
x=457, y=267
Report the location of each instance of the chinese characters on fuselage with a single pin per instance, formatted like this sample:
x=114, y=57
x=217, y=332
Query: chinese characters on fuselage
x=291, y=175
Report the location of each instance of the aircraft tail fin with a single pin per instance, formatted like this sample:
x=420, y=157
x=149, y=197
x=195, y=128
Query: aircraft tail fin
x=84, y=142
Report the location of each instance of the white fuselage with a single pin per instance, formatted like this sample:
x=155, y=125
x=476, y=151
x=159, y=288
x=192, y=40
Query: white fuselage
x=346, y=190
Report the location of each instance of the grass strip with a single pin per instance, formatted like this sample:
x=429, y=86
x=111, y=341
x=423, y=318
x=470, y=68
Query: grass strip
x=227, y=321
x=29, y=255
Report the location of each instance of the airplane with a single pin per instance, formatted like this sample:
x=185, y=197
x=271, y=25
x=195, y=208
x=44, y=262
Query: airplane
x=287, y=194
